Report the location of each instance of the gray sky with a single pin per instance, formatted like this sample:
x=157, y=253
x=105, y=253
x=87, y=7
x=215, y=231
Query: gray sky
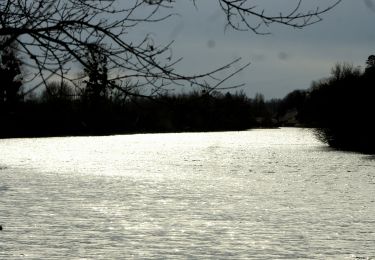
x=288, y=59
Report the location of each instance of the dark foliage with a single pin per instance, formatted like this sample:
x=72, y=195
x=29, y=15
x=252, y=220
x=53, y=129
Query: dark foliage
x=59, y=111
x=10, y=76
x=340, y=107
x=289, y=109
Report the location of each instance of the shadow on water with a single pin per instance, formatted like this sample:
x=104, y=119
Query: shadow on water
x=328, y=149
x=3, y=188
x=369, y=157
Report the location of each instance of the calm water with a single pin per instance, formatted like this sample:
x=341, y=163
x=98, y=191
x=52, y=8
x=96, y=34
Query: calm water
x=261, y=194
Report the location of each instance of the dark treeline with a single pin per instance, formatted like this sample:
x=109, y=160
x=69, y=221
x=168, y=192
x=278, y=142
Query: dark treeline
x=341, y=107
x=58, y=111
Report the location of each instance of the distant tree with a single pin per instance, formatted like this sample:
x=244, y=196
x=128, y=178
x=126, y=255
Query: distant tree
x=330, y=100
x=343, y=71
x=260, y=108
x=370, y=69
x=10, y=75
x=57, y=92
x=56, y=34
x=96, y=72
x=294, y=101
x=371, y=61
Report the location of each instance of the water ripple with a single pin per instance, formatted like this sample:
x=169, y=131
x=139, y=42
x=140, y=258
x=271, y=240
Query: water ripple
x=263, y=194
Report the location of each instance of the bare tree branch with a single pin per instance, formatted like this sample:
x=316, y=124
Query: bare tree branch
x=239, y=13
x=55, y=35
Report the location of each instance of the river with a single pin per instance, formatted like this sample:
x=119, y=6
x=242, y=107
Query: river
x=257, y=194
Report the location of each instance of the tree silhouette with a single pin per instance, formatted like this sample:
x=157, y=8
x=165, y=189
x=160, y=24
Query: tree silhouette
x=96, y=71
x=57, y=92
x=54, y=35
x=341, y=109
x=370, y=68
x=371, y=61
x=10, y=75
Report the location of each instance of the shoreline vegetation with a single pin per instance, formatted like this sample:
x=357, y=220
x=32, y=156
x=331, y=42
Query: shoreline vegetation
x=340, y=108
x=66, y=115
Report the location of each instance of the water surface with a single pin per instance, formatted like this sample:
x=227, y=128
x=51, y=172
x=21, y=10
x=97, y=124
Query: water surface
x=259, y=194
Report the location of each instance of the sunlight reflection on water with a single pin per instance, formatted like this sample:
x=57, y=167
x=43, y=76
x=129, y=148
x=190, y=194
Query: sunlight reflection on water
x=245, y=195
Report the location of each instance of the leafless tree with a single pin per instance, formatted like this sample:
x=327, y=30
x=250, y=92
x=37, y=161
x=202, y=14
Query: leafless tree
x=54, y=36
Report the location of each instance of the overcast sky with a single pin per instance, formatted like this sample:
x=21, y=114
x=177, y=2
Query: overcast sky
x=286, y=60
